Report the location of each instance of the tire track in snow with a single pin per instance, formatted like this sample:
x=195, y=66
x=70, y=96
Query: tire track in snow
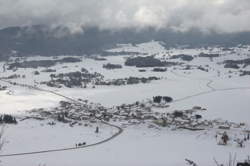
x=208, y=84
x=120, y=130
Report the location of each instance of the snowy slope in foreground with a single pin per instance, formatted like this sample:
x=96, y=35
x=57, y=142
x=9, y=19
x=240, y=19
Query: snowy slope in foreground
x=141, y=147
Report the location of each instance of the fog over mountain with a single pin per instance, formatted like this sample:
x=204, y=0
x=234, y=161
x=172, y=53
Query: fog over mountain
x=48, y=27
x=224, y=16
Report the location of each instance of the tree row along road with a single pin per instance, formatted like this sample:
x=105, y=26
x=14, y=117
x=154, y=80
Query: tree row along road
x=119, y=129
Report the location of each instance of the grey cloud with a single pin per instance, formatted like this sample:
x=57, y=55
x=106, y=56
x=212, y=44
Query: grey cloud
x=218, y=15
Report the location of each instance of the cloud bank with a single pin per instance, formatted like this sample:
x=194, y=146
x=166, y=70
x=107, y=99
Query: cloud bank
x=223, y=16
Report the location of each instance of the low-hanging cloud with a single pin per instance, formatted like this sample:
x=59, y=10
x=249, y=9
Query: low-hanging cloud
x=224, y=16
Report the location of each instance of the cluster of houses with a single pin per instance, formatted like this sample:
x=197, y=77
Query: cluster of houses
x=82, y=112
x=136, y=113
x=74, y=79
x=84, y=78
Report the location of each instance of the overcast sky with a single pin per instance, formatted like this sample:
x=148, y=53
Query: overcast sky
x=219, y=15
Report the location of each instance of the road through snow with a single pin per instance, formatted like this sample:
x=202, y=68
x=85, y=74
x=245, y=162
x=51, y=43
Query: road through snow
x=120, y=130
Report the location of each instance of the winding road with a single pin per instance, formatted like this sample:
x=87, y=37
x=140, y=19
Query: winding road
x=119, y=129
x=209, y=86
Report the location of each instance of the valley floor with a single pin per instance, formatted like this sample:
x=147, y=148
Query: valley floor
x=224, y=97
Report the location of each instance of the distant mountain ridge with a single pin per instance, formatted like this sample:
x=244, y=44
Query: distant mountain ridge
x=41, y=40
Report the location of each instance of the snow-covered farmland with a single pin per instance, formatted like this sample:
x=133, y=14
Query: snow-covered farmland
x=221, y=91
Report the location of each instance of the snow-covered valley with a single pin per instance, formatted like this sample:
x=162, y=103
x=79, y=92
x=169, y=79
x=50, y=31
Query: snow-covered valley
x=146, y=133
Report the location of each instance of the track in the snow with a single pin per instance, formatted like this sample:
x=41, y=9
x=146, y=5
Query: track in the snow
x=208, y=84
x=120, y=130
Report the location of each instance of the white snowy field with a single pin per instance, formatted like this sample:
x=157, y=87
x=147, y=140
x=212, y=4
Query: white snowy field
x=219, y=91
x=142, y=147
x=34, y=135
x=18, y=100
